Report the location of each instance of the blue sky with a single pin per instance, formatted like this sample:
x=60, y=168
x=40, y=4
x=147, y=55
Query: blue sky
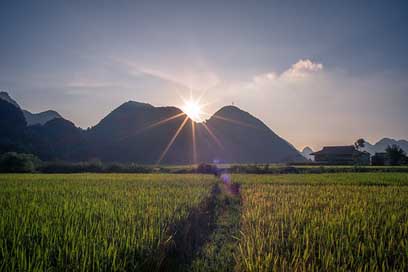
x=316, y=72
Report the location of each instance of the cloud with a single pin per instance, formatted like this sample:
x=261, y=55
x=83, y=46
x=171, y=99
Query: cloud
x=89, y=83
x=309, y=104
x=198, y=76
x=301, y=70
x=265, y=78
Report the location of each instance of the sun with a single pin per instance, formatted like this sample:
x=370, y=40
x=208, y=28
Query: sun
x=193, y=109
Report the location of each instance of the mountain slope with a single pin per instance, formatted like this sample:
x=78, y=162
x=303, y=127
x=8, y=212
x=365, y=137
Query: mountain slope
x=382, y=144
x=12, y=127
x=306, y=153
x=32, y=118
x=41, y=117
x=6, y=97
x=141, y=133
x=239, y=137
x=58, y=139
x=136, y=132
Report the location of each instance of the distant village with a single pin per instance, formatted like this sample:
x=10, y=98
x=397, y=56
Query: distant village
x=356, y=155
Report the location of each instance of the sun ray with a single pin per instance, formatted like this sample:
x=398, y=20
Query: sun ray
x=164, y=120
x=213, y=136
x=234, y=121
x=158, y=123
x=193, y=109
x=194, y=141
x=172, y=140
x=203, y=93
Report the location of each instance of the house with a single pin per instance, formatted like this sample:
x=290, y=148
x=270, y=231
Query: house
x=341, y=155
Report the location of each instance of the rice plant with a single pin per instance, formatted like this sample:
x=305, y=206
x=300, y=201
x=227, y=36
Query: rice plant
x=92, y=222
x=324, y=223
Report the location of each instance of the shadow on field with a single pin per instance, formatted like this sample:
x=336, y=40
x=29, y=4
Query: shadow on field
x=218, y=254
x=204, y=240
x=190, y=234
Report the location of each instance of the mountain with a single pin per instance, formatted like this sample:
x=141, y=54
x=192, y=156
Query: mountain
x=306, y=153
x=41, y=117
x=141, y=133
x=136, y=132
x=58, y=139
x=32, y=118
x=235, y=136
x=12, y=126
x=6, y=97
x=381, y=145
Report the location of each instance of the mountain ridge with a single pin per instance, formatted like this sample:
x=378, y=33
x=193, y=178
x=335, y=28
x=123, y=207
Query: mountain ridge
x=383, y=143
x=306, y=153
x=141, y=133
x=32, y=118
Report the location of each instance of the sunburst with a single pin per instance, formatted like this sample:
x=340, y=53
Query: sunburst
x=193, y=110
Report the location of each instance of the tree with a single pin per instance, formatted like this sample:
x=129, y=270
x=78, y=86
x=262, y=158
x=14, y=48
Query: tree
x=395, y=154
x=12, y=162
x=360, y=143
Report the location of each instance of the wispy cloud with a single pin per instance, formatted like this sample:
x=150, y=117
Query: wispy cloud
x=89, y=83
x=309, y=104
x=298, y=71
x=197, y=77
x=302, y=69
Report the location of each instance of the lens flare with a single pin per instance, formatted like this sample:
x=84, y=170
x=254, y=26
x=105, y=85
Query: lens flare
x=193, y=109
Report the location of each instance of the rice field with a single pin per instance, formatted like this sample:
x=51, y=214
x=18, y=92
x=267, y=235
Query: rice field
x=92, y=222
x=338, y=222
x=115, y=222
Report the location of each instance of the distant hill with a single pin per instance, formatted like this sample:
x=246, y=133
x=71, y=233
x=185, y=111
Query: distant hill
x=12, y=127
x=133, y=132
x=6, y=97
x=58, y=139
x=32, y=118
x=242, y=138
x=41, y=117
x=141, y=133
x=381, y=145
x=306, y=153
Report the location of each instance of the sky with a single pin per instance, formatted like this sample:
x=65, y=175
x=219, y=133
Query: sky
x=316, y=72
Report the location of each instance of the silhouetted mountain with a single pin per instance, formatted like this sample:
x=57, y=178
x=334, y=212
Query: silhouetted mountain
x=5, y=96
x=12, y=126
x=239, y=137
x=133, y=132
x=141, y=133
x=41, y=117
x=136, y=132
x=381, y=145
x=32, y=118
x=57, y=139
x=306, y=153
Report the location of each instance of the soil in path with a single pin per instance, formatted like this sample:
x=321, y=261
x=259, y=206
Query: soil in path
x=206, y=240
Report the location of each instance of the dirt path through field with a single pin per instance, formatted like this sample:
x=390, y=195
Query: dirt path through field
x=217, y=255
x=205, y=241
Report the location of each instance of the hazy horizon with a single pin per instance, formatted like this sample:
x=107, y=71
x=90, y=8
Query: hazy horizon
x=316, y=73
